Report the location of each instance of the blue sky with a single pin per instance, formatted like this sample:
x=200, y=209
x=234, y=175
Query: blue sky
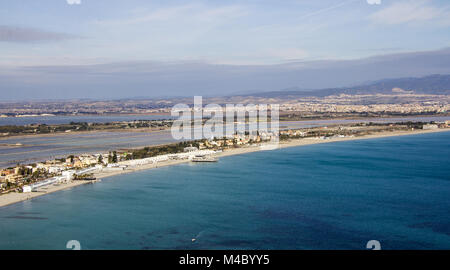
x=227, y=32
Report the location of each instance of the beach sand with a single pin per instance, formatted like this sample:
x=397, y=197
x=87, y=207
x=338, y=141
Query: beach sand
x=14, y=197
x=10, y=198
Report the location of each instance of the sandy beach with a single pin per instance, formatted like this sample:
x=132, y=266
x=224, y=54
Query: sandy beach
x=13, y=197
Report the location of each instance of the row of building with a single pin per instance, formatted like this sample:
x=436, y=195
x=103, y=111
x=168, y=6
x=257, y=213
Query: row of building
x=68, y=175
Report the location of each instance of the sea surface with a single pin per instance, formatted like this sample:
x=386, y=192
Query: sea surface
x=326, y=196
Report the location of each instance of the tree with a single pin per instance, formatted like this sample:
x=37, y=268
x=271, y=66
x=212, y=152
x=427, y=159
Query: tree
x=114, y=157
x=100, y=159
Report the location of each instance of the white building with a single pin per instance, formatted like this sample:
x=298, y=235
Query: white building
x=68, y=174
x=162, y=158
x=50, y=181
x=54, y=169
x=85, y=171
x=430, y=126
x=26, y=188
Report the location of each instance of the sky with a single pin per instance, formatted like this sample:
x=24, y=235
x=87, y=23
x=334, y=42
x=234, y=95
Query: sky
x=156, y=44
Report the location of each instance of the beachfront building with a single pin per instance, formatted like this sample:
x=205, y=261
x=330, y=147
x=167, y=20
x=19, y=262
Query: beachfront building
x=190, y=149
x=68, y=174
x=430, y=126
x=88, y=160
x=161, y=158
x=27, y=188
x=55, y=169
x=3, y=182
x=6, y=172
x=50, y=181
x=65, y=177
x=13, y=178
x=77, y=163
x=86, y=171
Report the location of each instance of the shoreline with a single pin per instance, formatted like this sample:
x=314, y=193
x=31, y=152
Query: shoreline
x=13, y=197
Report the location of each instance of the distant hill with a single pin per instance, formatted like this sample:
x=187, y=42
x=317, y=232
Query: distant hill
x=433, y=84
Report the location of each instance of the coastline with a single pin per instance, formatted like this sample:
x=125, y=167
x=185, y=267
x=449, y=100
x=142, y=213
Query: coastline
x=11, y=198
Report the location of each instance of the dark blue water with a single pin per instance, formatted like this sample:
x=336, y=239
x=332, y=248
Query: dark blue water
x=327, y=196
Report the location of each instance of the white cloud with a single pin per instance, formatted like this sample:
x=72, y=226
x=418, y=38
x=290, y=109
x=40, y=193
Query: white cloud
x=288, y=53
x=330, y=8
x=73, y=2
x=374, y=2
x=408, y=12
x=188, y=12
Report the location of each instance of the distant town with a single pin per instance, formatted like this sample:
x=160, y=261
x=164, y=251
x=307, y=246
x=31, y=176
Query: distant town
x=397, y=103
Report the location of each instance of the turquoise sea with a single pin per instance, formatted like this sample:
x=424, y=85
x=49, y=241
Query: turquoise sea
x=327, y=196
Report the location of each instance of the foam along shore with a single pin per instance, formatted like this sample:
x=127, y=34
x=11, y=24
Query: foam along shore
x=13, y=197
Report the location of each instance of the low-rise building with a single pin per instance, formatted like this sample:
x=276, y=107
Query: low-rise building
x=47, y=182
x=430, y=126
x=55, y=169
x=77, y=163
x=88, y=160
x=68, y=174
x=6, y=172
x=13, y=178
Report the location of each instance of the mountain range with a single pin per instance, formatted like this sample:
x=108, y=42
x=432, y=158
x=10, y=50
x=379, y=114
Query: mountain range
x=432, y=85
